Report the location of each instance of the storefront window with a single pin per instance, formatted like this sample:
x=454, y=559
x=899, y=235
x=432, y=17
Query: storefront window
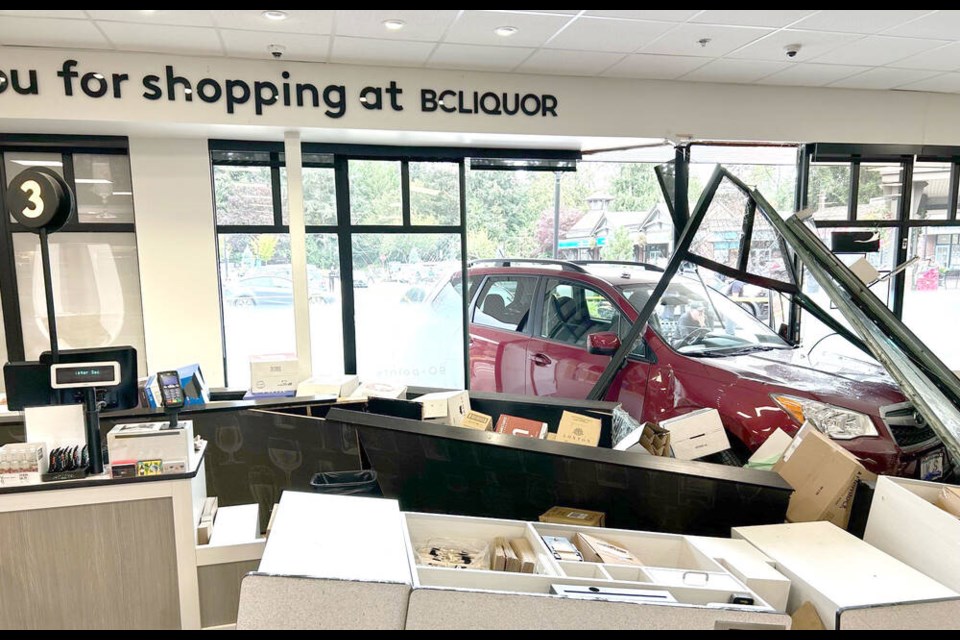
x=326, y=321
x=434, y=193
x=409, y=310
x=96, y=290
x=104, y=188
x=375, y=192
x=931, y=297
x=879, y=191
x=828, y=192
x=930, y=195
x=319, y=196
x=244, y=195
x=257, y=292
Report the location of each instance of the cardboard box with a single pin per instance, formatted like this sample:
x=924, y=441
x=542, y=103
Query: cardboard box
x=597, y=550
x=806, y=618
x=448, y=406
x=380, y=390
x=517, y=426
x=582, y=517
x=949, y=500
x=696, y=434
x=340, y=386
x=274, y=373
x=578, y=429
x=770, y=451
x=824, y=478
x=477, y=420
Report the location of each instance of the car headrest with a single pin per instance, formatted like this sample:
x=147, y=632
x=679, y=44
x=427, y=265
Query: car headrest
x=494, y=307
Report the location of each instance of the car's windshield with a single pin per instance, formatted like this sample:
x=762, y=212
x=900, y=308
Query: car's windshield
x=696, y=320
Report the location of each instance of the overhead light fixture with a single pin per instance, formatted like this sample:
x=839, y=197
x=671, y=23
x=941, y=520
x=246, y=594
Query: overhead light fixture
x=92, y=181
x=394, y=25
x=38, y=163
x=505, y=31
x=123, y=193
x=275, y=15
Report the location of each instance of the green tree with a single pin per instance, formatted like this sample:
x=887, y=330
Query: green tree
x=264, y=247
x=620, y=246
x=635, y=188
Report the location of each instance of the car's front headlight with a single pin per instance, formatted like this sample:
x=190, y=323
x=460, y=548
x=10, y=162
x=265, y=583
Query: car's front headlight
x=836, y=422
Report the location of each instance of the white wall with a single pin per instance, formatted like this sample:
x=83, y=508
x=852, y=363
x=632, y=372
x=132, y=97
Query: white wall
x=176, y=241
x=587, y=106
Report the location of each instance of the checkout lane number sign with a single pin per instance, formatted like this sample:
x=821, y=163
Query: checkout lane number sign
x=38, y=198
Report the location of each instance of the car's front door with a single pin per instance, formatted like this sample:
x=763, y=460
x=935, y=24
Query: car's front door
x=499, y=332
x=558, y=363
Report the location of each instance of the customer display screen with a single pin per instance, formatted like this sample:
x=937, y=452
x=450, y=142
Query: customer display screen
x=85, y=374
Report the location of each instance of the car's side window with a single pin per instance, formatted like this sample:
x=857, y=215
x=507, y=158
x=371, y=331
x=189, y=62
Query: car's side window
x=572, y=311
x=505, y=302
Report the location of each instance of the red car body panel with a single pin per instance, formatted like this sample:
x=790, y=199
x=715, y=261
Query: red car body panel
x=739, y=387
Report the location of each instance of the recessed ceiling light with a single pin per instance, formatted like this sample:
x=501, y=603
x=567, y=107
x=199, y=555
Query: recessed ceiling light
x=274, y=15
x=505, y=31
x=92, y=181
x=394, y=25
x=123, y=193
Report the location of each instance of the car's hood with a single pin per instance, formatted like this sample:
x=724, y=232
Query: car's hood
x=838, y=382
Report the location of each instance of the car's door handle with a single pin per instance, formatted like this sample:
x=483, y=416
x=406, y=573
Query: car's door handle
x=541, y=360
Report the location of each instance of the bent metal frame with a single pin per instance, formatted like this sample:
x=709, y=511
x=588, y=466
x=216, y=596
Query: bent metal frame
x=929, y=384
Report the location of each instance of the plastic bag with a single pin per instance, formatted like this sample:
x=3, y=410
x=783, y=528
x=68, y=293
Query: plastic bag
x=464, y=553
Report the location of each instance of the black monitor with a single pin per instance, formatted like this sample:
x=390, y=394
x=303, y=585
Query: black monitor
x=123, y=396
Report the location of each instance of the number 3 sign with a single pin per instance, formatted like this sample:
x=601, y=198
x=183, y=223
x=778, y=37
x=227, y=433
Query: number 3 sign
x=39, y=199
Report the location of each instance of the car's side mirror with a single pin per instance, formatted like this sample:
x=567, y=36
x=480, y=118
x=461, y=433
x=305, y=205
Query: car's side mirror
x=604, y=343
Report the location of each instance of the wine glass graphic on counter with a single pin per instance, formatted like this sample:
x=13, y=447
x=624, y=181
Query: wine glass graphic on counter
x=285, y=455
x=229, y=440
x=264, y=489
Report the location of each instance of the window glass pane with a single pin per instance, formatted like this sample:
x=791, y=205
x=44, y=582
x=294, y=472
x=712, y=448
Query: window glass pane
x=931, y=297
x=718, y=237
x=883, y=260
x=828, y=192
x=96, y=290
x=375, y=194
x=326, y=322
x=257, y=294
x=770, y=170
x=571, y=312
x=504, y=303
x=881, y=186
x=434, y=193
x=104, y=188
x=319, y=196
x=510, y=214
x=16, y=161
x=930, y=191
x=398, y=338
x=244, y=195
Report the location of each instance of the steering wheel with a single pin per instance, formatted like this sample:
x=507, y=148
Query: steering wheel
x=696, y=334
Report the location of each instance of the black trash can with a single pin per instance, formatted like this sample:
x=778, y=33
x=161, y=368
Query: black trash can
x=347, y=483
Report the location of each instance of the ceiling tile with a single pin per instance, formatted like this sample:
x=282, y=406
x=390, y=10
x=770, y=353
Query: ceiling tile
x=744, y=71
x=602, y=34
x=574, y=63
x=858, y=20
x=883, y=78
x=476, y=27
x=390, y=53
x=253, y=44
x=941, y=59
x=946, y=83
x=296, y=22
x=654, y=67
x=684, y=40
x=51, y=33
x=162, y=38
x=812, y=75
x=942, y=24
x=751, y=18
x=667, y=15
x=471, y=56
x=428, y=26
x=36, y=13
x=813, y=44
x=876, y=51
x=569, y=12
x=182, y=17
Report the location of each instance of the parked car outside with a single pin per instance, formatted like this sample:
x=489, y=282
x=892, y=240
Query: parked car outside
x=530, y=326
x=263, y=290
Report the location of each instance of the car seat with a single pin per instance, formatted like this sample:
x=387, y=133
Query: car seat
x=494, y=307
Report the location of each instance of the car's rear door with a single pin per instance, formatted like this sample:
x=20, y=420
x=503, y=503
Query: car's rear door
x=558, y=363
x=499, y=331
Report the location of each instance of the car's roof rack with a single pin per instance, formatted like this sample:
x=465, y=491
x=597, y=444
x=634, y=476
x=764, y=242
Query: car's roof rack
x=565, y=265
x=621, y=263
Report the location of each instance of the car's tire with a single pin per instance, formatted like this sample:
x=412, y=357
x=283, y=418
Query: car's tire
x=244, y=301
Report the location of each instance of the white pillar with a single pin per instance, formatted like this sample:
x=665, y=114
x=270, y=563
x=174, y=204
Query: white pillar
x=298, y=251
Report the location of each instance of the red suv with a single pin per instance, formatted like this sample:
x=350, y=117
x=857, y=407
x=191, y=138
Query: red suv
x=549, y=329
